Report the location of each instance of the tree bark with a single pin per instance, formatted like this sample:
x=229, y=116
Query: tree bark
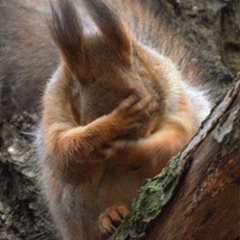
x=197, y=195
x=23, y=214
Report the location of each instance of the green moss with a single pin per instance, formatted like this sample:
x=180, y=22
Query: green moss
x=150, y=200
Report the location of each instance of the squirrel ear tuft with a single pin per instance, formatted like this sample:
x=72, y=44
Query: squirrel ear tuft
x=112, y=27
x=67, y=32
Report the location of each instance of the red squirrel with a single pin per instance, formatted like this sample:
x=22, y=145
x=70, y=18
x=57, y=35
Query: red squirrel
x=118, y=107
x=114, y=113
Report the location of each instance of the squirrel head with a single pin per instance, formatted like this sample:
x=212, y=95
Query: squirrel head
x=109, y=64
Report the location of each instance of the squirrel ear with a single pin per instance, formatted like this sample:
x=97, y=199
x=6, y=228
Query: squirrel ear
x=67, y=32
x=112, y=27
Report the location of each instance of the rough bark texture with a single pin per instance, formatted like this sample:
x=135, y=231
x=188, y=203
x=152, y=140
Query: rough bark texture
x=207, y=190
x=205, y=178
x=23, y=214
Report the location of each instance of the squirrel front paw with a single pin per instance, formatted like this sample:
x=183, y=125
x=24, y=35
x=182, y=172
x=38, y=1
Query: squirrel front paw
x=135, y=109
x=114, y=149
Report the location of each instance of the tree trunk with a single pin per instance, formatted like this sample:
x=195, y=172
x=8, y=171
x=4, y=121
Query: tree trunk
x=199, y=190
x=203, y=201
